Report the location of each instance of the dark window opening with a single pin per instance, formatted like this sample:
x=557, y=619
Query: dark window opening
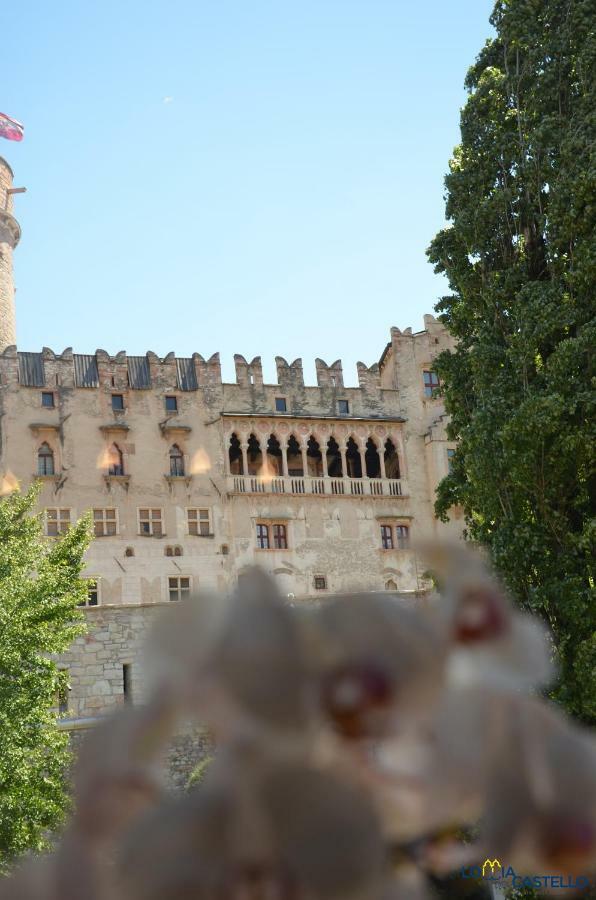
x=45, y=460
x=171, y=404
x=391, y=460
x=117, y=402
x=371, y=459
x=353, y=461
x=280, y=404
x=334, y=467
x=343, y=407
x=127, y=682
x=255, y=456
x=320, y=583
x=235, y=456
x=274, y=463
x=294, y=455
x=314, y=459
x=47, y=399
x=176, y=461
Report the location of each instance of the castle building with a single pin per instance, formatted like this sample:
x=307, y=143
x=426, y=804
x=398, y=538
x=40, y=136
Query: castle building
x=190, y=479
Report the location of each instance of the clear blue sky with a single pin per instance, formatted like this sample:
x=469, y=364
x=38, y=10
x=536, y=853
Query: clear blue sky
x=249, y=177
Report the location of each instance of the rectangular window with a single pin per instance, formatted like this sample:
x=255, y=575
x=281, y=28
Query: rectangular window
x=150, y=522
x=92, y=593
x=280, y=404
x=386, y=537
x=343, y=407
x=450, y=455
x=105, y=522
x=171, y=404
x=262, y=536
x=431, y=383
x=178, y=588
x=47, y=399
x=320, y=583
x=402, y=533
x=199, y=521
x=57, y=521
x=117, y=401
x=280, y=541
x=127, y=682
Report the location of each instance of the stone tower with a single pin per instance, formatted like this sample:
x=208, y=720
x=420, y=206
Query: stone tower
x=10, y=233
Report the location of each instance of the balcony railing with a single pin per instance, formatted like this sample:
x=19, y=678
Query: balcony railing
x=339, y=487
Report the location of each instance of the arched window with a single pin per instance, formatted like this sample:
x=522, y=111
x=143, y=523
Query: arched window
x=333, y=459
x=390, y=585
x=176, y=460
x=353, y=461
x=295, y=464
x=255, y=456
x=45, y=460
x=274, y=463
x=371, y=458
x=314, y=458
x=235, y=455
x=391, y=460
x=115, y=460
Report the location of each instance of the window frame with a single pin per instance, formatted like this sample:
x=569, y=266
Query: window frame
x=105, y=521
x=52, y=397
x=46, y=456
x=150, y=519
x=402, y=536
x=118, y=408
x=262, y=536
x=177, y=462
x=319, y=578
x=199, y=520
x=181, y=590
x=432, y=384
x=281, y=400
x=92, y=579
x=279, y=533
x=167, y=399
x=387, y=541
x=59, y=520
x=343, y=412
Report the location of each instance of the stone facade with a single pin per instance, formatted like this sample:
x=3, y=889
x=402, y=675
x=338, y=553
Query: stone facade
x=191, y=479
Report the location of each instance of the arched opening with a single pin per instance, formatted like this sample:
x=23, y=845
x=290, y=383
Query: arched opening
x=391, y=460
x=274, y=463
x=235, y=456
x=115, y=460
x=353, y=461
x=390, y=585
x=45, y=460
x=314, y=458
x=334, y=468
x=295, y=464
x=254, y=455
x=176, y=461
x=371, y=458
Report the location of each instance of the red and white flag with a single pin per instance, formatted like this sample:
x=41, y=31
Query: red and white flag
x=10, y=128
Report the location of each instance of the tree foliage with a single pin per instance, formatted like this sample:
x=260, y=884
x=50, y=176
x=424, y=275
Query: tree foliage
x=520, y=258
x=40, y=588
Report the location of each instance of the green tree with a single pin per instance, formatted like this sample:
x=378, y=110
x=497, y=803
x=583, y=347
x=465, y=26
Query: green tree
x=40, y=589
x=520, y=258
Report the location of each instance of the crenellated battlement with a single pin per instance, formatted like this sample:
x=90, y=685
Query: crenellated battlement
x=123, y=372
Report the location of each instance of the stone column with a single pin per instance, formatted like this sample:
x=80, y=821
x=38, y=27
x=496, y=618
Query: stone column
x=244, y=448
x=284, y=460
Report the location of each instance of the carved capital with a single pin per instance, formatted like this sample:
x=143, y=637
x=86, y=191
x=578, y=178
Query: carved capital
x=10, y=230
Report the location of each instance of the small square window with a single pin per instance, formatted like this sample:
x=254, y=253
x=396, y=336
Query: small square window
x=320, y=583
x=171, y=404
x=118, y=401
x=343, y=407
x=47, y=399
x=280, y=404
